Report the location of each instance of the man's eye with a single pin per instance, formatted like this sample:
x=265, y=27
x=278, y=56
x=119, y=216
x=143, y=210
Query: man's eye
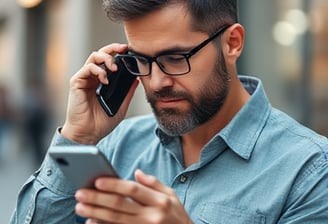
x=174, y=58
x=142, y=60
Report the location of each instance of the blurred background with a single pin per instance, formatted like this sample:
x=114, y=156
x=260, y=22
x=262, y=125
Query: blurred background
x=43, y=43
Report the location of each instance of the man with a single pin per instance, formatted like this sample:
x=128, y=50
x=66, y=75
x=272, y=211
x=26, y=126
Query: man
x=215, y=151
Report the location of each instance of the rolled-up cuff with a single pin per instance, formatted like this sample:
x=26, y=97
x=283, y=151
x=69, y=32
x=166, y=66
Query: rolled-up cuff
x=50, y=175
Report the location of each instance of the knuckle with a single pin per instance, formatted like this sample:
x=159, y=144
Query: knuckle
x=118, y=202
x=76, y=83
x=158, y=218
x=91, y=56
x=113, y=216
x=91, y=197
x=171, y=192
x=133, y=188
x=153, y=182
x=72, y=80
x=94, y=53
x=164, y=203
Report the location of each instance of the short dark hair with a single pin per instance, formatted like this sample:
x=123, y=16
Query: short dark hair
x=206, y=15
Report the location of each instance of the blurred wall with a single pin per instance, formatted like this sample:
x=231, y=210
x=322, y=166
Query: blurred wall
x=11, y=48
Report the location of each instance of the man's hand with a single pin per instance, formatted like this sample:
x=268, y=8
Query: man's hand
x=86, y=122
x=119, y=201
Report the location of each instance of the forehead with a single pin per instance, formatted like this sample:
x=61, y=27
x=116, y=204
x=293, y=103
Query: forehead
x=162, y=29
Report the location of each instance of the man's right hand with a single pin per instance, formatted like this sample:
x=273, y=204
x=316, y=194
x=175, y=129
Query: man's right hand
x=86, y=121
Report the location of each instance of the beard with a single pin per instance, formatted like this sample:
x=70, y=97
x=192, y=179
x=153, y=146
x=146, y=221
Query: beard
x=211, y=97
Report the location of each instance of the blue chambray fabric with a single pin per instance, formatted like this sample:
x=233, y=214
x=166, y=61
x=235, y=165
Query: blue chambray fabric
x=262, y=168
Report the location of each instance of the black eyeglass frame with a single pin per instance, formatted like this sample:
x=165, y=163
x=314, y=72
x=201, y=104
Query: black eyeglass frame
x=187, y=56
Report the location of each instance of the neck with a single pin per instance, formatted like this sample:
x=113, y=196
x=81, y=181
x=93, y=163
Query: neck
x=194, y=141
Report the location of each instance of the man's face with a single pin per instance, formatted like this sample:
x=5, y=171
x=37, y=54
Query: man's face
x=180, y=103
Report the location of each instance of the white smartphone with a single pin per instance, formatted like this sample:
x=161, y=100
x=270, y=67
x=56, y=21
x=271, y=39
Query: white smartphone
x=82, y=164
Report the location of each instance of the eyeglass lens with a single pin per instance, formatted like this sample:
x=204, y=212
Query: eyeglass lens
x=172, y=64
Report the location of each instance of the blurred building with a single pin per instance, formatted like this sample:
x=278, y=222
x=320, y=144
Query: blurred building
x=286, y=46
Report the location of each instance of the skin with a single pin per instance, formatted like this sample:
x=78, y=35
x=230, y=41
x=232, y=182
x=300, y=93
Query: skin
x=147, y=200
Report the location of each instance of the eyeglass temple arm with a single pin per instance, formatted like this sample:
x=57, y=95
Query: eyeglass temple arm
x=205, y=42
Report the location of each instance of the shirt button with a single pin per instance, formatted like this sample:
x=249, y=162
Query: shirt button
x=183, y=179
x=49, y=172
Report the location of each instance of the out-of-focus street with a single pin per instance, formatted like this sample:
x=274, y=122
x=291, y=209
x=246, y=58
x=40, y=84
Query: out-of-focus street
x=43, y=45
x=15, y=167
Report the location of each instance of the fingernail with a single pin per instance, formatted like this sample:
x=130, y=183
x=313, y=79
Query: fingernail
x=79, y=195
x=139, y=172
x=147, y=176
x=114, y=67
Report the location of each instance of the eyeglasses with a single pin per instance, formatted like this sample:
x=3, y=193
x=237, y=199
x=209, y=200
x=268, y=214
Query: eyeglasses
x=170, y=63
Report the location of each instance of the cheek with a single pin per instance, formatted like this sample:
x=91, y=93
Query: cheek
x=201, y=74
x=203, y=65
x=191, y=83
x=145, y=82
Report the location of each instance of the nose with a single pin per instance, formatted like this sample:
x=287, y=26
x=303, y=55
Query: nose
x=158, y=79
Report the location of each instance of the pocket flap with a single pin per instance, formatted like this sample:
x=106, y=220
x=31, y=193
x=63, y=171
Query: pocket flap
x=215, y=213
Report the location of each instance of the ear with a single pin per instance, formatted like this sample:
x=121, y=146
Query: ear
x=233, y=43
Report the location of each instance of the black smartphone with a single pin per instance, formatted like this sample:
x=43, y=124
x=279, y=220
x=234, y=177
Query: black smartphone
x=82, y=165
x=112, y=95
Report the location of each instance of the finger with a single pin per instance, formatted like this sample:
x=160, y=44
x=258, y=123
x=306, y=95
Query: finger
x=130, y=189
x=114, y=48
x=96, y=221
x=93, y=221
x=87, y=72
x=98, y=57
x=105, y=55
x=112, y=201
x=152, y=182
x=102, y=59
x=104, y=215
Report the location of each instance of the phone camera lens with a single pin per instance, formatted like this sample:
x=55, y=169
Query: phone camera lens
x=62, y=161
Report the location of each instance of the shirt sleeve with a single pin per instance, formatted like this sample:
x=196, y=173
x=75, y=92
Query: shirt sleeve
x=307, y=201
x=47, y=196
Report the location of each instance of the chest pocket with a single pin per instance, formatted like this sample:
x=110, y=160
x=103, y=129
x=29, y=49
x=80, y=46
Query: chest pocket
x=214, y=213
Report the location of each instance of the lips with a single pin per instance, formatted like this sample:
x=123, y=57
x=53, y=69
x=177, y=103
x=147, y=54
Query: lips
x=167, y=98
x=169, y=102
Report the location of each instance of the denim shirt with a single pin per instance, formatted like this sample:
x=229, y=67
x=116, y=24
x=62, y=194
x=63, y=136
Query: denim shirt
x=262, y=168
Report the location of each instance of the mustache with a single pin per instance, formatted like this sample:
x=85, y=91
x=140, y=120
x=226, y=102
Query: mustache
x=167, y=93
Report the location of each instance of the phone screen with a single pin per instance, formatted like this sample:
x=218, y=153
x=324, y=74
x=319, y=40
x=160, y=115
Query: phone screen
x=112, y=95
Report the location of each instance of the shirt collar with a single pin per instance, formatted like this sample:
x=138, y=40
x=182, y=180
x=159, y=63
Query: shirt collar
x=244, y=129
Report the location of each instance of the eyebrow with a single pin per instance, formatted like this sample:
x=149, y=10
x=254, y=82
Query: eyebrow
x=172, y=50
